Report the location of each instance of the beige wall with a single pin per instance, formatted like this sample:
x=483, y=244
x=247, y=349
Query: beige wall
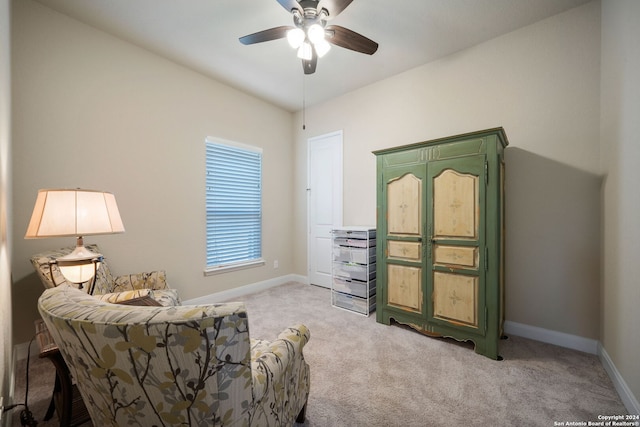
x=541, y=83
x=92, y=111
x=620, y=129
x=6, y=344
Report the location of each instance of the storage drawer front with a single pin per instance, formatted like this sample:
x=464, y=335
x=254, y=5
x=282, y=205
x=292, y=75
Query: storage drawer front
x=353, y=303
x=355, y=243
x=355, y=234
x=354, y=287
x=354, y=271
x=354, y=255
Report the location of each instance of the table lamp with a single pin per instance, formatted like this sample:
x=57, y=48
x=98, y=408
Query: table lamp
x=77, y=213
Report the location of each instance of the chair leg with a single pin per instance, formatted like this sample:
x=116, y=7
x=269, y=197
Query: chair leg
x=302, y=414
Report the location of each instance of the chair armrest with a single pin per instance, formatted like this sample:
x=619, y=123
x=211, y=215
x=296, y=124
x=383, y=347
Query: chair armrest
x=280, y=375
x=279, y=353
x=149, y=280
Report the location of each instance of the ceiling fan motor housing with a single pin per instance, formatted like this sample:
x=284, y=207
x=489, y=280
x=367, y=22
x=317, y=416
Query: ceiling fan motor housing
x=311, y=16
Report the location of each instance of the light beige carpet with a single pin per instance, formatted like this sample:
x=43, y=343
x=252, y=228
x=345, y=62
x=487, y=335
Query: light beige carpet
x=367, y=374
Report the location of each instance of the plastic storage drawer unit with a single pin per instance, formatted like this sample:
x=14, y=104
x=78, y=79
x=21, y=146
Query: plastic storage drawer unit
x=353, y=285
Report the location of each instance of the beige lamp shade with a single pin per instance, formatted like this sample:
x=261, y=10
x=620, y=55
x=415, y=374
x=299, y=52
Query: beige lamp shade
x=61, y=213
x=77, y=213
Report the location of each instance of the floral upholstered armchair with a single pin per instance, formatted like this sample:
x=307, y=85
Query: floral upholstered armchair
x=108, y=287
x=182, y=365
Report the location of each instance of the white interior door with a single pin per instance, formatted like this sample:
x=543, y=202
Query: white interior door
x=324, y=205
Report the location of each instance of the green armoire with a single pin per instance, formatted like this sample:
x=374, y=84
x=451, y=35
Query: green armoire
x=440, y=237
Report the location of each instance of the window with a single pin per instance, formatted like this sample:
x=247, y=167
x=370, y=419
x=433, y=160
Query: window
x=234, y=206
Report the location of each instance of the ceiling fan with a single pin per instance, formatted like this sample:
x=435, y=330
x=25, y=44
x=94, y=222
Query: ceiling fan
x=311, y=35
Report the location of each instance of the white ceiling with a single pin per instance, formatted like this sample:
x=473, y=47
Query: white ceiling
x=203, y=35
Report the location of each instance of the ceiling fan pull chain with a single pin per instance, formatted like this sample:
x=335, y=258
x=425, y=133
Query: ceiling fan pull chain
x=304, y=102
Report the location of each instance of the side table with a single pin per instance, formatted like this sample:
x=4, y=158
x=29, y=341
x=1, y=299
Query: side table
x=66, y=399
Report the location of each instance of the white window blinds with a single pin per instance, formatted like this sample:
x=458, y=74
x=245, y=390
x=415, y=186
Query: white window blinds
x=234, y=204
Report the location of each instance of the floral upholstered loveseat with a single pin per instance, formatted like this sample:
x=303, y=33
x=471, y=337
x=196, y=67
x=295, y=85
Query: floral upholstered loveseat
x=107, y=287
x=181, y=365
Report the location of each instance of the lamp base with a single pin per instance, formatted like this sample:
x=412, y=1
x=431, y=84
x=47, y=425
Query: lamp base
x=80, y=265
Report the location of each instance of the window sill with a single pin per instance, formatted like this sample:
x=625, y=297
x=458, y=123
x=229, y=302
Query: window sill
x=210, y=271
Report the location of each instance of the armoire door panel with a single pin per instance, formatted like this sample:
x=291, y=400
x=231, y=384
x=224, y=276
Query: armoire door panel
x=462, y=256
x=455, y=298
x=401, y=250
x=453, y=264
x=404, y=287
x=405, y=206
x=455, y=205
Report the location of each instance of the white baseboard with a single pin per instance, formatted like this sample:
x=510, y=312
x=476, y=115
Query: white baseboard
x=246, y=289
x=561, y=339
x=627, y=396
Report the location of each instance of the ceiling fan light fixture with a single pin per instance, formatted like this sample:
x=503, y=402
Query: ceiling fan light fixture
x=315, y=33
x=295, y=37
x=322, y=47
x=305, y=51
x=310, y=35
